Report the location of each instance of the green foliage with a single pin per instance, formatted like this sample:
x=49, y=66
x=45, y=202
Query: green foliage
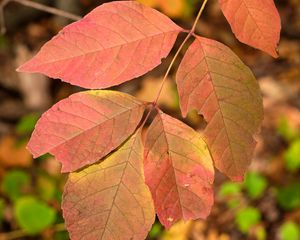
x=3, y=42
x=230, y=189
x=289, y=231
x=61, y=236
x=255, y=184
x=246, y=218
x=289, y=197
x=46, y=187
x=292, y=156
x=33, y=215
x=286, y=131
x=156, y=230
x=14, y=183
x=27, y=123
x=2, y=208
x=260, y=233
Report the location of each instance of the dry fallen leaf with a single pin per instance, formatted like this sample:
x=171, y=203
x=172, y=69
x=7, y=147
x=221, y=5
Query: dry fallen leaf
x=13, y=154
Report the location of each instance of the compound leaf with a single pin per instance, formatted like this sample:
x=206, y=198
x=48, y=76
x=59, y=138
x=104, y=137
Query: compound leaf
x=254, y=22
x=114, y=43
x=85, y=127
x=110, y=200
x=178, y=171
x=215, y=82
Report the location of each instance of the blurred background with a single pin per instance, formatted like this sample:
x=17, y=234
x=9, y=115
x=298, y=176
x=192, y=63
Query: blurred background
x=265, y=206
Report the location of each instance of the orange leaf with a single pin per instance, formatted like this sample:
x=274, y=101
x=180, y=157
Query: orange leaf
x=110, y=200
x=173, y=8
x=178, y=171
x=149, y=3
x=13, y=154
x=85, y=127
x=254, y=22
x=114, y=43
x=215, y=82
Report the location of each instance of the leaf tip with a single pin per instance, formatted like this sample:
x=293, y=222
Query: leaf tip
x=20, y=69
x=32, y=151
x=184, y=112
x=24, y=68
x=276, y=52
x=273, y=52
x=168, y=222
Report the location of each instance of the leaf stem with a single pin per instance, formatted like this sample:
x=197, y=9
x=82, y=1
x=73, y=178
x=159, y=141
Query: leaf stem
x=190, y=33
x=35, y=5
x=198, y=16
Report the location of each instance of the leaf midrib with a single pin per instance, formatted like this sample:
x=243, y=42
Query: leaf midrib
x=96, y=125
x=118, y=187
x=219, y=106
x=104, y=49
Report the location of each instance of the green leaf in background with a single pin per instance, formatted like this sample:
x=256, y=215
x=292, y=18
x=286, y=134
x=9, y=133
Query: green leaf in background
x=14, y=183
x=3, y=42
x=2, y=208
x=33, y=215
x=289, y=231
x=260, y=233
x=27, y=123
x=255, y=184
x=286, y=131
x=156, y=230
x=46, y=187
x=61, y=235
x=292, y=156
x=230, y=189
x=246, y=218
x=289, y=197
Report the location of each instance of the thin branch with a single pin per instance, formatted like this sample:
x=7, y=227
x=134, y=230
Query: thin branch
x=37, y=6
x=21, y=233
x=191, y=33
x=198, y=16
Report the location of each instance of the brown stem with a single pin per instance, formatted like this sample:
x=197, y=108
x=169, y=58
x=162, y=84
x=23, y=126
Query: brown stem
x=20, y=234
x=35, y=5
x=190, y=33
x=198, y=16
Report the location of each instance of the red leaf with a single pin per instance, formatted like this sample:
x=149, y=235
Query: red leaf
x=114, y=43
x=215, y=82
x=178, y=171
x=110, y=200
x=83, y=128
x=254, y=22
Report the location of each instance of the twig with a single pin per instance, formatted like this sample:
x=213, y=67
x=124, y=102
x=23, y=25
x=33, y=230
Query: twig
x=21, y=233
x=34, y=5
x=190, y=33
